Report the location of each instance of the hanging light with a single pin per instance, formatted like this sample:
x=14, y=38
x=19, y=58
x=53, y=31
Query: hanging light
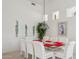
x=45, y=16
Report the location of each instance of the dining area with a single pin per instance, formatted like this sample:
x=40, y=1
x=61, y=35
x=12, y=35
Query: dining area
x=39, y=29
x=46, y=48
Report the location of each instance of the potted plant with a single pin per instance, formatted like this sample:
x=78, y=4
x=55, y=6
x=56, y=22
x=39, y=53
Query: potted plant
x=41, y=30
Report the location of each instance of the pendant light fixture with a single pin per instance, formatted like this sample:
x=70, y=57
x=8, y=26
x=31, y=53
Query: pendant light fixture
x=45, y=16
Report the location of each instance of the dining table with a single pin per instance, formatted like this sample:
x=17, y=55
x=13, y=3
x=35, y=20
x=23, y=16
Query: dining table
x=50, y=44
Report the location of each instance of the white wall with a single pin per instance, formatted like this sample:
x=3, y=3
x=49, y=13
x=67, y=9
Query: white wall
x=25, y=13
x=61, y=6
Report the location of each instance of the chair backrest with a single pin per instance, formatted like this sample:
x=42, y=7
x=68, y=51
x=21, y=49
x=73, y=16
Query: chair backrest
x=22, y=44
x=39, y=49
x=70, y=48
x=29, y=45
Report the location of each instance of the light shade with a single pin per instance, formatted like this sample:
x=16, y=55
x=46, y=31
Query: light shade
x=45, y=17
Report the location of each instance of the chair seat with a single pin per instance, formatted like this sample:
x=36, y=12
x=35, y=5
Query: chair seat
x=67, y=53
x=59, y=52
x=49, y=53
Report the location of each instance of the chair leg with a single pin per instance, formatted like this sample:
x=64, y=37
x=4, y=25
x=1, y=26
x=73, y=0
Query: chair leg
x=22, y=53
x=33, y=57
x=72, y=57
x=25, y=56
x=53, y=57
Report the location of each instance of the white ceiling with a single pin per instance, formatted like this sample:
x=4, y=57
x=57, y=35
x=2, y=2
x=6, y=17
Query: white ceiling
x=40, y=2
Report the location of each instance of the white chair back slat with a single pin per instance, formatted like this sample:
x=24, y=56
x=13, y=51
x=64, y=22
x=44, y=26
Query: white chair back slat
x=22, y=44
x=23, y=50
x=29, y=46
x=39, y=49
x=70, y=48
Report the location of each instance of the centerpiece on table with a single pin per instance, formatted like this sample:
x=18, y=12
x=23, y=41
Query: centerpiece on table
x=41, y=30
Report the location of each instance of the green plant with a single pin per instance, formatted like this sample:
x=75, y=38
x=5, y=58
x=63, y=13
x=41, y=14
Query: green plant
x=41, y=29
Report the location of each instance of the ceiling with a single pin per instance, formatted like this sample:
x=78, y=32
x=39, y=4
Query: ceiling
x=40, y=2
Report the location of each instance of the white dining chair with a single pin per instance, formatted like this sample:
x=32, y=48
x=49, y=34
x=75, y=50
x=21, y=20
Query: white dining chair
x=41, y=52
x=23, y=51
x=63, y=39
x=29, y=46
x=67, y=53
